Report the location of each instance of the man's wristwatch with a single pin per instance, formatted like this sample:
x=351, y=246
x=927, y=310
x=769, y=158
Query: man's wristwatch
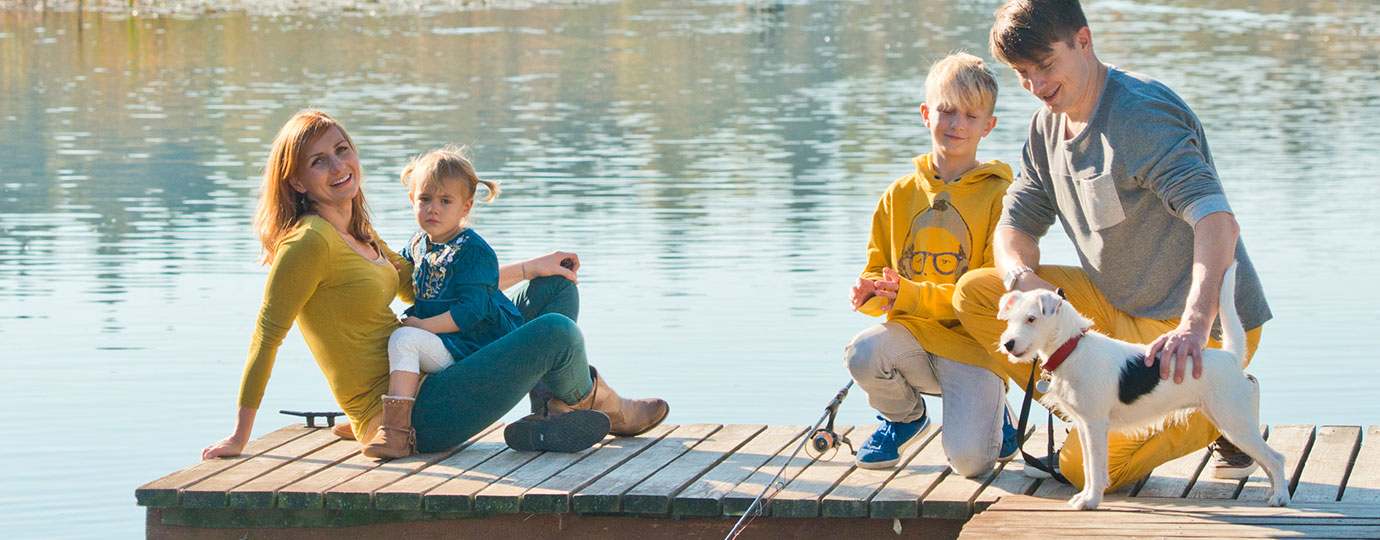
x=1013, y=275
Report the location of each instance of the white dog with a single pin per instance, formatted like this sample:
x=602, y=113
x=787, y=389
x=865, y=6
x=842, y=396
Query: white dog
x=1103, y=384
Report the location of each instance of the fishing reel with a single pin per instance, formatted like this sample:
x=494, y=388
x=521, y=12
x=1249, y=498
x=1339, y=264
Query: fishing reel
x=825, y=439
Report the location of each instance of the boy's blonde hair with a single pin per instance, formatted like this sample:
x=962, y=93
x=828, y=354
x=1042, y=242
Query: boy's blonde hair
x=446, y=164
x=963, y=80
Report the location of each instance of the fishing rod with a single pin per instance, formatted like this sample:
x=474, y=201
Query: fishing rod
x=821, y=439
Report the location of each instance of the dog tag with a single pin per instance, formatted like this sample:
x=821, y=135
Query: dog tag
x=1042, y=386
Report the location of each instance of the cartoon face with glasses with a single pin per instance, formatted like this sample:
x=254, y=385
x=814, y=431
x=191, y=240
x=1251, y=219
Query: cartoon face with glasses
x=938, y=246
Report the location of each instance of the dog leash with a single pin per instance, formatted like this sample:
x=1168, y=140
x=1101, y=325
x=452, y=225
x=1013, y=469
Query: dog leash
x=1046, y=467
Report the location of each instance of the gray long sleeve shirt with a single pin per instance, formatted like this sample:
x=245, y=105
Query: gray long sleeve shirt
x=1128, y=190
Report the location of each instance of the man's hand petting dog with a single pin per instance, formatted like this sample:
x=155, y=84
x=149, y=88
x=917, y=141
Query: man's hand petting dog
x=1182, y=346
x=1030, y=281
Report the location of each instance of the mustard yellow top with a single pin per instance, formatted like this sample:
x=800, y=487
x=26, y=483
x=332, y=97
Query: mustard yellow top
x=340, y=300
x=931, y=233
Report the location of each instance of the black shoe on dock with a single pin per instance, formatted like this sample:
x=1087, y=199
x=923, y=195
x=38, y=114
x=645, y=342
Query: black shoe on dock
x=569, y=432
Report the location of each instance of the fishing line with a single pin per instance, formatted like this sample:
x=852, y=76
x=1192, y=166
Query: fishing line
x=821, y=439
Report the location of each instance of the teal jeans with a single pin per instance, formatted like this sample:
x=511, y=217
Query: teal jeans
x=460, y=401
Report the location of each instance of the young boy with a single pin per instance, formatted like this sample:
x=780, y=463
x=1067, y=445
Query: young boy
x=930, y=227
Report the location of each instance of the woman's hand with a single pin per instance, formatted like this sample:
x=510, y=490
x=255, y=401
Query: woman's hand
x=227, y=447
x=556, y=263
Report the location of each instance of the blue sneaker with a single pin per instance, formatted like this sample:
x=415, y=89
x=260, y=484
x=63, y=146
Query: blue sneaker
x=884, y=448
x=1010, y=439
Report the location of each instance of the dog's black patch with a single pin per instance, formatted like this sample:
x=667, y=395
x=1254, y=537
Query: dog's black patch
x=1137, y=379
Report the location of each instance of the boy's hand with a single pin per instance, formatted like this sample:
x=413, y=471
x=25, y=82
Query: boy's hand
x=887, y=287
x=863, y=290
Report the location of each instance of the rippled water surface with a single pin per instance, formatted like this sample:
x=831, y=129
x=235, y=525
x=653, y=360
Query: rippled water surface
x=715, y=164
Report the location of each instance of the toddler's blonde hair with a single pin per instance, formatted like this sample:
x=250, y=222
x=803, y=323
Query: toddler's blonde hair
x=446, y=164
x=963, y=80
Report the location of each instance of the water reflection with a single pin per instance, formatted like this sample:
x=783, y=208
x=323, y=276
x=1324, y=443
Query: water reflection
x=714, y=162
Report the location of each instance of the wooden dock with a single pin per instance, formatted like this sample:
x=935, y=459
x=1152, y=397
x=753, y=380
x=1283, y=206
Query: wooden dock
x=692, y=481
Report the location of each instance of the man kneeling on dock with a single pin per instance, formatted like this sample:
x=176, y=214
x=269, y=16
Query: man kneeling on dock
x=1123, y=162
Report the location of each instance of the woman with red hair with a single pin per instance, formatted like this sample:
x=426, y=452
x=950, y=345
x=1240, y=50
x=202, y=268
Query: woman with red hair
x=332, y=275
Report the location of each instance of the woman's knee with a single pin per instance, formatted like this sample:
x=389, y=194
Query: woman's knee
x=556, y=286
x=556, y=328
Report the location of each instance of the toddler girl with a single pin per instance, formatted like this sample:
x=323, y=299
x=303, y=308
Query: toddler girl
x=459, y=307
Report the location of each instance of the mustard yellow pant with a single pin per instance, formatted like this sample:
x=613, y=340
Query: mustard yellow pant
x=1130, y=457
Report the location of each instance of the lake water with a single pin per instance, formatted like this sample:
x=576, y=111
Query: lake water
x=715, y=164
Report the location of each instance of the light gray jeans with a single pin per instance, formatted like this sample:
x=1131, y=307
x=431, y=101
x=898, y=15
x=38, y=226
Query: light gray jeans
x=891, y=366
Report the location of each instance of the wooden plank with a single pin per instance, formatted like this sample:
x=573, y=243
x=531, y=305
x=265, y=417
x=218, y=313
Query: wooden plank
x=654, y=495
x=408, y=493
x=900, y=498
x=504, y=495
x=606, y=494
x=801, y=497
x=457, y=494
x=1027, y=517
x=1207, y=507
x=953, y=497
x=310, y=492
x=553, y=495
x=741, y=497
x=1294, y=441
x=1010, y=480
x=213, y=492
x=853, y=494
x=1207, y=487
x=704, y=497
x=1328, y=461
x=358, y=492
x=1173, y=479
x=262, y=492
x=1363, y=485
x=1206, y=531
x=1111, y=515
x=167, y=491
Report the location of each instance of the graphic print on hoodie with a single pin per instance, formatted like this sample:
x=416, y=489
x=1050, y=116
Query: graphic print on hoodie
x=932, y=232
x=939, y=243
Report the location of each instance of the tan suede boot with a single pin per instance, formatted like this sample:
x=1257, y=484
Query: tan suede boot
x=395, y=438
x=344, y=430
x=627, y=417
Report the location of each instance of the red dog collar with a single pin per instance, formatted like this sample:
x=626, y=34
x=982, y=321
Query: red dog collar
x=1063, y=353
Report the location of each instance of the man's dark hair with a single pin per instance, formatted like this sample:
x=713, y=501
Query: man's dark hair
x=1026, y=30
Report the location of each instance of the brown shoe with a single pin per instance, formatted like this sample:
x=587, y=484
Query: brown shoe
x=395, y=438
x=343, y=430
x=627, y=417
x=1230, y=462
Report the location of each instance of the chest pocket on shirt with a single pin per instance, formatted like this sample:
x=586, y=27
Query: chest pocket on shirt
x=1101, y=205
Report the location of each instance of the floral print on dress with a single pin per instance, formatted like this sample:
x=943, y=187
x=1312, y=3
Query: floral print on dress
x=430, y=263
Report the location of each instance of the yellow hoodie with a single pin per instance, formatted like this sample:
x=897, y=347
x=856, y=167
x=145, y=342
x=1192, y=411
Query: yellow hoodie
x=932, y=232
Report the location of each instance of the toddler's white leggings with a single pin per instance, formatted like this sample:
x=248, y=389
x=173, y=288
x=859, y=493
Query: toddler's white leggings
x=413, y=349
